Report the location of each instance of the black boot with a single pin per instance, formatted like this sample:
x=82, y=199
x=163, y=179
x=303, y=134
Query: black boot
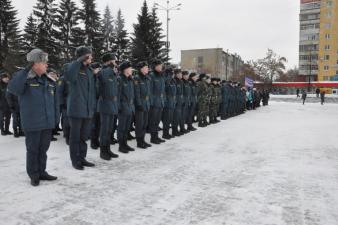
x=35, y=182
x=130, y=149
x=104, y=153
x=113, y=141
x=112, y=154
x=130, y=137
x=122, y=147
x=145, y=143
x=47, y=177
x=140, y=143
x=16, y=133
x=87, y=164
x=166, y=135
x=154, y=139
x=94, y=144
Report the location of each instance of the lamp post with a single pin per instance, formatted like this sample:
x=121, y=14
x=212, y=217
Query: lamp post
x=168, y=8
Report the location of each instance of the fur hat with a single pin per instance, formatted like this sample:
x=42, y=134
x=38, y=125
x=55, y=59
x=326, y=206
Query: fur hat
x=36, y=56
x=124, y=65
x=82, y=50
x=108, y=57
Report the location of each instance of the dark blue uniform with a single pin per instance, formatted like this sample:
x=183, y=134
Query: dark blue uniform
x=108, y=103
x=142, y=86
x=186, y=104
x=5, y=112
x=80, y=108
x=193, y=104
x=39, y=115
x=169, y=106
x=157, y=103
x=126, y=108
x=177, y=121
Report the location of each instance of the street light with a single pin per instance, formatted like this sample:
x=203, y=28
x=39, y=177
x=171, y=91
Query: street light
x=168, y=8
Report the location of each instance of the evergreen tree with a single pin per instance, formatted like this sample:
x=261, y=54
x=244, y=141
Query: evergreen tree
x=69, y=33
x=121, y=41
x=30, y=34
x=10, y=38
x=92, y=26
x=107, y=30
x=157, y=45
x=45, y=15
x=140, y=47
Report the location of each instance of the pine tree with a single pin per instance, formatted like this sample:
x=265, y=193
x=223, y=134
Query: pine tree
x=30, y=34
x=92, y=26
x=140, y=47
x=10, y=38
x=45, y=15
x=121, y=41
x=69, y=33
x=157, y=45
x=108, y=30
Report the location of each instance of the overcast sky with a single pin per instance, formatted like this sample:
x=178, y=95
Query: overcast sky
x=245, y=27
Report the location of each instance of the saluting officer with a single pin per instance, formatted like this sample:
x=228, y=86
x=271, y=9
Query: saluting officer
x=39, y=111
x=107, y=104
x=142, y=87
x=80, y=105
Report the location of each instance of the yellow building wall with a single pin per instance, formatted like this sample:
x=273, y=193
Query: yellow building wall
x=328, y=27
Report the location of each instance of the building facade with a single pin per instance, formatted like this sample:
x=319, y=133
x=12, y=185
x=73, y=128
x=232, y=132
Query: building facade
x=318, y=42
x=328, y=41
x=213, y=61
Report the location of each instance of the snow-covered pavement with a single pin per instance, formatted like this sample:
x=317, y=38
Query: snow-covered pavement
x=276, y=165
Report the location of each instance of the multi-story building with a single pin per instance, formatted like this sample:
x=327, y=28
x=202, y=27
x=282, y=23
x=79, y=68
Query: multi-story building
x=328, y=41
x=213, y=61
x=309, y=39
x=318, y=43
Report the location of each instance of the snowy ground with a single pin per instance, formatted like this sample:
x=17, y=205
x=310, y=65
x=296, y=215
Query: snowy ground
x=274, y=166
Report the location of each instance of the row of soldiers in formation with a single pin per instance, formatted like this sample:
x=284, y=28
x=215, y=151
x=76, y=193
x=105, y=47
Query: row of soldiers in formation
x=94, y=100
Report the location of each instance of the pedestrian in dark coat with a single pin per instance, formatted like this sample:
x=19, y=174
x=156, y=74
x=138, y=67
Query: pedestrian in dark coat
x=108, y=103
x=39, y=110
x=126, y=106
x=5, y=112
x=157, y=101
x=142, y=88
x=80, y=105
x=322, y=97
x=304, y=95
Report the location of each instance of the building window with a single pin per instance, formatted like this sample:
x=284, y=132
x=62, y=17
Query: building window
x=329, y=3
x=328, y=25
x=326, y=68
x=327, y=36
x=327, y=47
x=327, y=57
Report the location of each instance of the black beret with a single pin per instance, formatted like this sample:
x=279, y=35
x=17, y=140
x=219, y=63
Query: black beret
x=177, y=71
x=184, y=73
x=82, y=50
x=203, y=76
x=157, y=62
x=124, y=65
x=108, y=57
x=142, y=64
x=192, y=75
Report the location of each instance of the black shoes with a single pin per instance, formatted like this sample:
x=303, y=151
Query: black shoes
x=85, y=163
x=94, y=144
x=140, y=143
x=48, y=177
x=35, y=182
x=104, y=153
x=78, y=166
